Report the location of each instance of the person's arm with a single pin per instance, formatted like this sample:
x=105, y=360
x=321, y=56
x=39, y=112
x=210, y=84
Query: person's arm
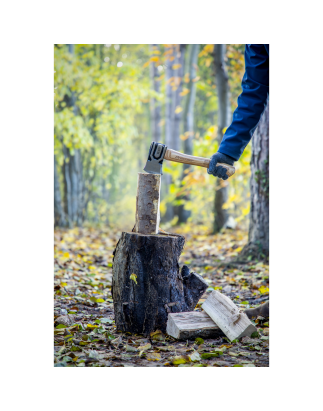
x=251, y=104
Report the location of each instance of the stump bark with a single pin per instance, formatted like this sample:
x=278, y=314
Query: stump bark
x=148, y=284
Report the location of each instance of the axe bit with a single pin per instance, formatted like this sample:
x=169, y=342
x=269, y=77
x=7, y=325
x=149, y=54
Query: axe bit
x=158, y=152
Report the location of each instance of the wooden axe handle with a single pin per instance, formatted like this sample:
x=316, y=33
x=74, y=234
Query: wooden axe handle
x=177, y=157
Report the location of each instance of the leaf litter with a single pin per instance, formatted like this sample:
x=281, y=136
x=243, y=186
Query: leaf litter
x=84, y=329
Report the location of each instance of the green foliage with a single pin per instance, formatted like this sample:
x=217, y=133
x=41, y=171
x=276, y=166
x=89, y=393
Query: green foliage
x=102, y=108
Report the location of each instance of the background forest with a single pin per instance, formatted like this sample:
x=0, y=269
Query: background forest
x=112, y=100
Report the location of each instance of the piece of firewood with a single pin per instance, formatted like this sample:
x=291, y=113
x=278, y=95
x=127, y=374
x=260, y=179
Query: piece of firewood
x=227, y=316
x=192, y=324
x=147, y=204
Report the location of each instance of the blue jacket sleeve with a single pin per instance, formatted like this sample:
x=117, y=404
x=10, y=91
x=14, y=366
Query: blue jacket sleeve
x=251, y=102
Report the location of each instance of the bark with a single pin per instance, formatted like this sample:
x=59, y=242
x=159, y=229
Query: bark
x=147, y=204
x=59, y=216
x=156, y=287
x=155, y=105
x=258, y=245
x=224, y=119
x=184, y=214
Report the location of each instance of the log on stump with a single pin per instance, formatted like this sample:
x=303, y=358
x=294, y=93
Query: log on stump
x=227, y=316
x=190, y=325
x=147, y=283
x=147, y=204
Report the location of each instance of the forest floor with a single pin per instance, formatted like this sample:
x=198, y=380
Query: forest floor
x=84, y=331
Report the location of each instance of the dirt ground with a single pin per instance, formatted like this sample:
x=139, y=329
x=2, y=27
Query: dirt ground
x=84, y=331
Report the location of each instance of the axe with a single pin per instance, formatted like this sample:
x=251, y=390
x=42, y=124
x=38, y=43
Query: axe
x=158, y=152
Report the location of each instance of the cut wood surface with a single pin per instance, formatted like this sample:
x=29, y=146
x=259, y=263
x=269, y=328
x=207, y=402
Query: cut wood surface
x=177, y=157
x=190, y=325
x=227, y=316
x=147, y=204
x=148, y=284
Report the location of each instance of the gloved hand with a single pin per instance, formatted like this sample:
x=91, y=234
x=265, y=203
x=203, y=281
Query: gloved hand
x=219, y=171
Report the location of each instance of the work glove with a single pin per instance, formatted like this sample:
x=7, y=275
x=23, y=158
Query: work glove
x=219, y=171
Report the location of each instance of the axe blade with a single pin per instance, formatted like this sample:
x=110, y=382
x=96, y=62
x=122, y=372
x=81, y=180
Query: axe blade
x=155, y=159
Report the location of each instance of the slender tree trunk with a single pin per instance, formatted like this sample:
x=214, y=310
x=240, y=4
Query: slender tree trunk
x=169, y=214
x=59, y=216
x=224, y=118
x=67, y=187
x=73, y=176
x=184, y=214
x=177, y=98
x=155, y=105
x=77, y=187
x=258, y=246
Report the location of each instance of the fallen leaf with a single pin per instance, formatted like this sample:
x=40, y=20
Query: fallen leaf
x=129, y=348
x=153, y=356
x=106, y=320
x=66, y=319
x=167, y=348
x=76, y=348
x=157, y=336
x=144, y=348
x=233, y=354
x=91, y=326
x=207, y=355
x=195, y=356
x=179, y=359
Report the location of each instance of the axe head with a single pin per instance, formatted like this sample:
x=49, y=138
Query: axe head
x=155, y=159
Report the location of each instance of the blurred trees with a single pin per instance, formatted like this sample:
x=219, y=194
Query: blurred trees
x=155, y=104
x=111, y=101
x=100, y=98
x=188, y=135
x=224, y=120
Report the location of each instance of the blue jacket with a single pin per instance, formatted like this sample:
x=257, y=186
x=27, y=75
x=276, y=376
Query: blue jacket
x=251, y=102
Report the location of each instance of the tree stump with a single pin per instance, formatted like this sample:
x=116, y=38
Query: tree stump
x=148, y=284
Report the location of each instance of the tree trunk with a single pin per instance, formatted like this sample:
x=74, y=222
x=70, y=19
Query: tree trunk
x=174, y=81
x=73, y=176
x=147, y=283
x=258, y=245
x=59, y=216
x=169, y=214
x=155, y=105
x=184, y=214
x=177, y=98
x=224, y=119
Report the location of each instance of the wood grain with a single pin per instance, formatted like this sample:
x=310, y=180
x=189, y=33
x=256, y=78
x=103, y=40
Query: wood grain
x=178, y=157
x=227, y=316
x=189, y=325
x=147, y=204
